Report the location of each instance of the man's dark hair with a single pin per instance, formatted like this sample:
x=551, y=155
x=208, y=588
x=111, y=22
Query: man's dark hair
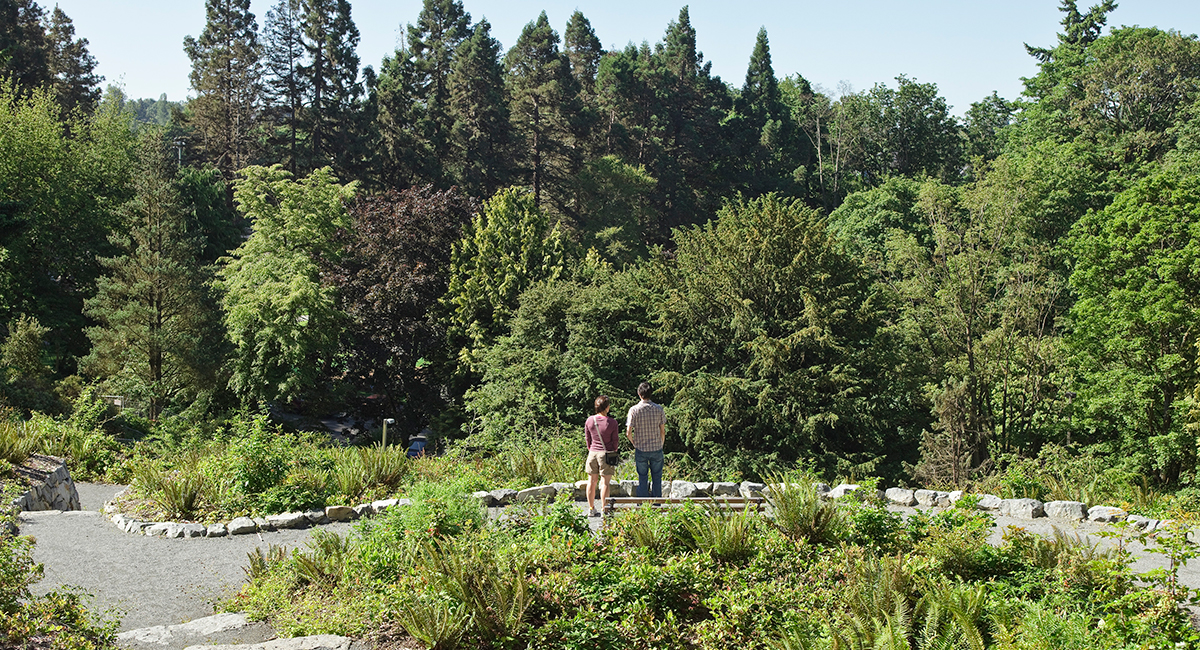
x=644, y=391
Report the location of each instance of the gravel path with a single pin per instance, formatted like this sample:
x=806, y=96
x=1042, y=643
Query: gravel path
x=156, y=581
x=144, y=580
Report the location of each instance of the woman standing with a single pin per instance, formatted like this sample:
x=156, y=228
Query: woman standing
x=600, y=431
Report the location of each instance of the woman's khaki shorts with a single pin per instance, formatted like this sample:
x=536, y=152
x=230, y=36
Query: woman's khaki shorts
x=595, y=463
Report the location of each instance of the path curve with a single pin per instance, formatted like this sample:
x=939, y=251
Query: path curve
x=157, y=581
x=144, y=580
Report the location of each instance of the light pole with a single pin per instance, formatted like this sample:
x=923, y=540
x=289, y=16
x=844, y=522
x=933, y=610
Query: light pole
x=385, y=423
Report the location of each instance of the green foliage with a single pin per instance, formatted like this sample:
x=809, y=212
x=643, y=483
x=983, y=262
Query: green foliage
x=282, y=320
x=176, y=494
x=506, y=248
x=800, y=513
x=765, y=330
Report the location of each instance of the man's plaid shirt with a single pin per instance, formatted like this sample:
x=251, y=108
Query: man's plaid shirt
x=645, y=420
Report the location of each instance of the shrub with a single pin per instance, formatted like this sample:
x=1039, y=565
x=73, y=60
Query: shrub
x=800, y=514
x=16, y=440
x=726, y=534
x=177, y=493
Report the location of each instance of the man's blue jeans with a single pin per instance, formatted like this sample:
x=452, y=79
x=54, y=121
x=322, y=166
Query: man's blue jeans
x=652, y=462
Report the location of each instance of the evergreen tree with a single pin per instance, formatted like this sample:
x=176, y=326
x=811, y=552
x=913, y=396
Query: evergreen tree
x=284, y=89
x=331, y=77
x=482, y=133
x=441, y=28
x=543, y=99
x=24, y=55
x=150, y=305
x=584, y=52
x=763, y=132
x=72, y=68
x=226, y=77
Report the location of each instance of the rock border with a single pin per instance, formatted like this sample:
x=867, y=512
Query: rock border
x=48, y=490
x=1066, y=511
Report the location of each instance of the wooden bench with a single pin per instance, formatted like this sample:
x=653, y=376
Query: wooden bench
x=733, y=503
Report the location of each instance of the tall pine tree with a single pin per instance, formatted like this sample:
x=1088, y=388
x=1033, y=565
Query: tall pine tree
x=544, y=97
x=284, y=88
x=481, y=138
x=72, y=67
x=226, y=75
x=150, y=303
x=331, y=76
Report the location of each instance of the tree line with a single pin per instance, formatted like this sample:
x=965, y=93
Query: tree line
x=485, y=239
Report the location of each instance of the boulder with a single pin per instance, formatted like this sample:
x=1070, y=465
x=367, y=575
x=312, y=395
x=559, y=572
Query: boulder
x=560, y=488
x=683, y=490
x=168, y=529
x=194, y=530
x=704, y=489
x=340, y=513
x=484, y=498
x=216, y=530
x=382, y=505
x=900, y=496
x=579, y=490
x=263, y=524
x=989, y=502
x=503, y=496
x=1022, y=508
x=316, y=517
x=822, y=489
x=285, y=520
x=1071, y=510
x=364, y=510
x=842, y=490
x=724, y=489
x=617, y=489
x=242, y=526
x=546, y=492
x=954, y=496
x=930, y=498
x=751, y=489
x=1142, y=523
x=1106, y=514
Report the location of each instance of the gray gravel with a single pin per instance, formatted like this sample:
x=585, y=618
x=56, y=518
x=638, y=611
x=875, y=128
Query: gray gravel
x=144, y=580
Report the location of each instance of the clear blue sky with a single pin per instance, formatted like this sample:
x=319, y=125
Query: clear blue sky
x=967, y=47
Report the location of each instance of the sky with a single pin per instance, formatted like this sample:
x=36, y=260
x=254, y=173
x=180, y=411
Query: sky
x=969, y=48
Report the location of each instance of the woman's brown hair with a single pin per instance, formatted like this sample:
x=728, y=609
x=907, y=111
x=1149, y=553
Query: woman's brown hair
x=601, y=403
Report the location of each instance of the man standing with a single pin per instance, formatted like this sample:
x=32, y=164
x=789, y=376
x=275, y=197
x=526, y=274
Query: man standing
x=646, y=427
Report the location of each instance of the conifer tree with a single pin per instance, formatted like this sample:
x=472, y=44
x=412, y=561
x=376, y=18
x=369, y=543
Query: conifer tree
x=284, y=88
x=150, y=303
x=441, y=28
x=24, y=55
x=331, y=76
x=543, y=96
x=584, y=52
x=226, y=75
x=72, y=67
x=481, y=138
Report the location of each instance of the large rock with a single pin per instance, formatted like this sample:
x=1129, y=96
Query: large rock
x=484, y=498
x=617, y=489
x=704, y=489
x=286, y=520
x=842, y=490
x=503, y=496
x=545, y=492
x=217, y=629
x=340, y=513
x=1142, y=523
x=683, y=490
x=989, y=502
x=1106, y=514
x=1070, y=510
x=630, y=487
x=242, y=526
x=1022, y=508
x=579, y=489
x=724, y=489
x=930, y=498
x=383, y=505
x=216, y=530
x=751, y=489
x=316, y=517
x=168, y=529
x=955, y=496
x=559, y=488
x=900, y=496
x=50, y=485
x=194, y=530
x=263, y=524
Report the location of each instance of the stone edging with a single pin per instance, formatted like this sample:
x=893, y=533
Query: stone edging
x=248, y=525
x=53, y=490
x=1067, y=511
